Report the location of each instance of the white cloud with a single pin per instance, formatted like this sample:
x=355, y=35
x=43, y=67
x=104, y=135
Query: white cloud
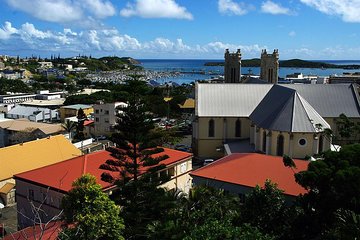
x=7, y=30
x=156, y=9
x=99, y=8
x=348, y=10
x=64, y=11
x=231, y=8
x=292, y=33
x=273, y=8
x=108, y=41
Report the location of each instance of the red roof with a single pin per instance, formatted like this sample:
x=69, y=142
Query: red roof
x=251, y=169
x=88, y=122
x=49, y=232
x=61, y=175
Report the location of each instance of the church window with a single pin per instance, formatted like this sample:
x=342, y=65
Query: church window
x=264, y=142
x=238, y=128
x=211, y=128
x=280, y=145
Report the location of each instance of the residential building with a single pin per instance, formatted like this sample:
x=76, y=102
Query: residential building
x=49, y=184
x=16, y=98
x=28, y=156
x=239, y=173
x=45, y=64
x=274, y=119
x=72, y=110
x=23, y=130
x=34, y=114
x=2, y=65
x=105, y=117
x=12, y=74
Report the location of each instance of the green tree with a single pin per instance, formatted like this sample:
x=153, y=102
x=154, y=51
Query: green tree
x=79, y=135
x=332, y=184
x=265, y=208
x=139, y=195
x=90, y=213
x=69, y=127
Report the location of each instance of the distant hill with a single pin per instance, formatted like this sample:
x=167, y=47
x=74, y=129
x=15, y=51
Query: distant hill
x=294, y=63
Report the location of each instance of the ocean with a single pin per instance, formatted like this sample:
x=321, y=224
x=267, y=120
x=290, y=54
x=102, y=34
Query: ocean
x=193, y=69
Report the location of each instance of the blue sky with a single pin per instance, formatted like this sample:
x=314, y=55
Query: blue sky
x=199, y=29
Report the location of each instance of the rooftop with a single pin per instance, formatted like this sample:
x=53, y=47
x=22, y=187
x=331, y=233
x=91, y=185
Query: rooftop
x=77, y=106
x=251, y=169
x=25, y=124
x=61, y=175
x=240, y=100
x=34, y=154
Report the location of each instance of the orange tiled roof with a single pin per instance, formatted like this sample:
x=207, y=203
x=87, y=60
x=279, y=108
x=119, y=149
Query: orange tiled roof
x=251, y=169
x=34, y=154
x=61, y=175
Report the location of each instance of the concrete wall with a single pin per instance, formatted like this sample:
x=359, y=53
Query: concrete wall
x=181, y=179
x=224, y=131
x=51, y=202
x=292, y=146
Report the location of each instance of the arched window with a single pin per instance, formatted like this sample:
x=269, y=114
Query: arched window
x=280, y=145
x=238, y=128
x=211, y=128
x=264, y=142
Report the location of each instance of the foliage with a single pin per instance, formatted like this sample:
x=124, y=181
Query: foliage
x=265, y=208
x=139, y=195
x=90, y=212
x=333, y=184
x=79, y=135
x=69, y=127
x=16, y=86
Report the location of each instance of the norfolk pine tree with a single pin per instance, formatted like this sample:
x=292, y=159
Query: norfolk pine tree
x=139, y=196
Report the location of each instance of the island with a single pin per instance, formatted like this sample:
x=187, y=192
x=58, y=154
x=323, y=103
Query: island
x=294, y=63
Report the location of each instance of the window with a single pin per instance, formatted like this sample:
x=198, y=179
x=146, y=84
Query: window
x=106, y=120
x=97, y=111
x=31, y=194
x=183, y=167
x=171, y=171
x=238, y=128
x=302, y=142
x=211, y=128
x=107, y=112
x=96, y=119
x=280, y=145
x=264, y=142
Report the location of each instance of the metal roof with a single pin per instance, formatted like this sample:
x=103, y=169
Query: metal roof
x=240, y=100
x=330, y=100
x=228, y=100
x=283, y=109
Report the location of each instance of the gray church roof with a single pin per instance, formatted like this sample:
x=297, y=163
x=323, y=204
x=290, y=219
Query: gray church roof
x=330, y=100
x=240, y=100
x=229, y=99
x=284, y=109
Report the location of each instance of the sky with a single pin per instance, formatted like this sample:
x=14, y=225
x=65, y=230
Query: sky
x=181, y=29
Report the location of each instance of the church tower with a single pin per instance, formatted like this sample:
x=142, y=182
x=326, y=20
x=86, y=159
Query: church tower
x=269, y=66
x=232, y=69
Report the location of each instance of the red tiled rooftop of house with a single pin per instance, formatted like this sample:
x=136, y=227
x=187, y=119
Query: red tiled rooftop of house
x=251, y=169
x=49, y=232
x=61, y=175
x=88, y=122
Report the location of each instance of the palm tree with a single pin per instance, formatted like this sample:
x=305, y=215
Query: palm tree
x=69, y=126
